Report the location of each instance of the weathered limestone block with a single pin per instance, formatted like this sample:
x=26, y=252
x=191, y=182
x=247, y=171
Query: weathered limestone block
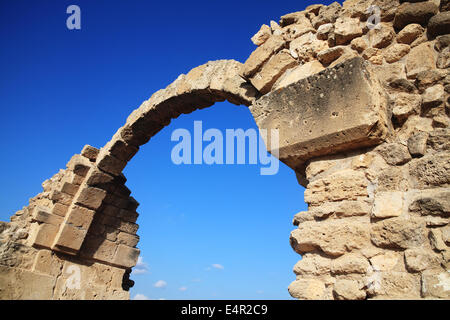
x=261, y=55
x=324, y=30
x=93, y=282
x=79, y=165
x=42, y=235
x=404, y=105
x=90, y=152
x=417, y=144
x=359, y=44
x=127, y=239
x=300, y=72
x=388, y=204
x=298, y=17
x=394, y=153
x=346, y=30
x=69, y=239
x=126, y=256
x=98, y=248
x=47, y=262
x=273, y=70
x=396, y=52
x=61, y=197
x=410, y=33
x=90, y=197
x=383, y=37
x=327, y=14
x=436, y=284
x=417, y=260
x=339, y=109
x=306, y=47
x=436, y=240
x=439, y=139
x=294, y=31
x=439, y=24
x=350, y=263
x=262, y=35
x=432, y=202
x=333, y=237
x=43, y=215
x=110, y=164
x=312, y=264
x=430, y=170
x=22, y=284
x=345, y=289
x=391, y=178
x=418, y=13
x=341, y=209
x=398, y=233
x=387, y=261
x=342, y=185
x=420, y=58
x=397, y=285
x=307, y=289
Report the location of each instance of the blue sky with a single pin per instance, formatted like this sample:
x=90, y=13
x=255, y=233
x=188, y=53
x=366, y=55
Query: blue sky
x=215, y=232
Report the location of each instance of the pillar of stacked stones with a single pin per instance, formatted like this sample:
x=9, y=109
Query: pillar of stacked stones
x=360, y=96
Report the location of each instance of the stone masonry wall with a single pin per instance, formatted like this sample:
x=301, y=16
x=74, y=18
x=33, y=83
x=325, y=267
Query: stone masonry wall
x=377, y=223
x=363, y=116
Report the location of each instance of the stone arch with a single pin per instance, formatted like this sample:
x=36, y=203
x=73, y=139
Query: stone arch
x=91, y=193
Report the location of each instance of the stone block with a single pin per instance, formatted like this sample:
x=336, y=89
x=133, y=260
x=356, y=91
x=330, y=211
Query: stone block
x=261, y=55
x=436, y=284
x=430, y=170
x=90, y=152
x=342, y=185
x=398, y=233
x=127, y=239
x=420, y=58
x=60, y=209
x=69, y=239
x=312, y=264
x=333, y=237
x=431, y=202
x=272, y=71
x=346, y=289
x=126, y=256
x=110, y=164
x=42, y=235
x=79, y=165
x=350, y=263
x=19, y=284
x=80, y=217
x=307, y=289
x=388, y=204
x=339, y=109
x=42, y=214
x=90, y=197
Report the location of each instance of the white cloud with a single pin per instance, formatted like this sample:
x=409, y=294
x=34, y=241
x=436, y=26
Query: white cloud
x=141, y=267
x=140, y=296
x=259, y=292
x=160, y=284
x=218, y=266
x=183, y=289
x=196, y=280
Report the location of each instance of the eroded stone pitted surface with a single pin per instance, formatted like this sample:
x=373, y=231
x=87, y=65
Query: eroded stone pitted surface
x=363, y=117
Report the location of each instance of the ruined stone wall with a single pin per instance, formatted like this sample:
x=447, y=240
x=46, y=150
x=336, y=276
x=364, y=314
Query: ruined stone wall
x=363, y=119
x=379, y=200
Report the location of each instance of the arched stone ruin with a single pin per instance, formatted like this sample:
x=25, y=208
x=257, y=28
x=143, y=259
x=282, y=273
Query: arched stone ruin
x=363, y=119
